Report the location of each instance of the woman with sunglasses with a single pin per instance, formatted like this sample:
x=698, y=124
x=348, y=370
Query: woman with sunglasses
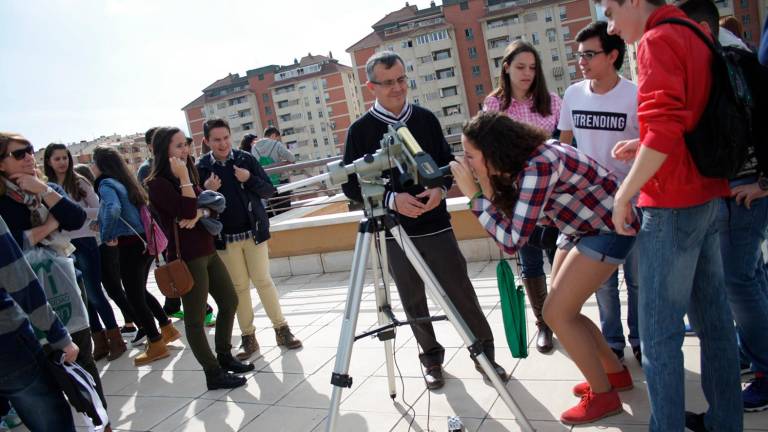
x=515, y=179
x=58, y=167
x=522, y=95
x=35, y=213
x=120, y=226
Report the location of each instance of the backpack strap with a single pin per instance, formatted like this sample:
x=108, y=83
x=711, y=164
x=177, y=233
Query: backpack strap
x=711, y=41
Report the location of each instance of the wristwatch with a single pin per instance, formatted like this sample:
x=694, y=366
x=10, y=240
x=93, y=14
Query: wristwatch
x=762, y=183
x=48, y=190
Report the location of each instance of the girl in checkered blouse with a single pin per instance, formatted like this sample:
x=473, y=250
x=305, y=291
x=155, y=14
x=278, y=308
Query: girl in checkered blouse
x=516, y=179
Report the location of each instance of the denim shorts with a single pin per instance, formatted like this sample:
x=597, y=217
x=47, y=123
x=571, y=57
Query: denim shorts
x=607, y=247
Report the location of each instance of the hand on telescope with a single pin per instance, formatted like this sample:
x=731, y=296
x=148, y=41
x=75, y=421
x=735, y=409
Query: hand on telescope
x=408, y=205
x=463, y=177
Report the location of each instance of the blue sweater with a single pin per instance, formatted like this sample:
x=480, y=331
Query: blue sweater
x=763, y=52
x=22, y=297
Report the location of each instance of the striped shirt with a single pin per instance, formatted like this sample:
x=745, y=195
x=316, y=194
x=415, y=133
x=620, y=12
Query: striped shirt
x=22, y=297
x=522, y=111
x=559, y=186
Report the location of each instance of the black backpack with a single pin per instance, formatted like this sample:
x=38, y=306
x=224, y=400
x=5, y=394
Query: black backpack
x=719, y=143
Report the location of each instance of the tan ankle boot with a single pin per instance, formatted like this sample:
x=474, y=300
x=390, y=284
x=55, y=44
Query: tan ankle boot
x=116, y=344
x=100, y=347
x=169, y=333
x=155, y=351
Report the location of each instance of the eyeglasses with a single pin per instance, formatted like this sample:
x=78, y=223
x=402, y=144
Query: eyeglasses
x=20, y=154
x=588, y=55
x=391, y=82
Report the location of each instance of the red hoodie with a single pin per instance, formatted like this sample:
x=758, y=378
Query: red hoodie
x=673, y=88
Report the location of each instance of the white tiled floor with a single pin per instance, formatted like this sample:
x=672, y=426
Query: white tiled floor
x=290, y=390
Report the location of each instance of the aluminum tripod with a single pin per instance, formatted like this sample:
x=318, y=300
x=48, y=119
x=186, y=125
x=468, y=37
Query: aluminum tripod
x=374, y=226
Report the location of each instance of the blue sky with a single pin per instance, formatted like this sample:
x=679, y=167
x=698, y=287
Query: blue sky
x=79, y=69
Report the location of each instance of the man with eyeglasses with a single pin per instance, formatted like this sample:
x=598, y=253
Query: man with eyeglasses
x=421, y=212
x=600, y=111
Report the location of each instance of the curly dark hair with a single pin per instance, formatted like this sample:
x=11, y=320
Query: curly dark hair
x=506, y=146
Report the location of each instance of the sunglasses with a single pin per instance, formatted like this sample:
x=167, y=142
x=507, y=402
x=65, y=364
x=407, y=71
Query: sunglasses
x=20, y=154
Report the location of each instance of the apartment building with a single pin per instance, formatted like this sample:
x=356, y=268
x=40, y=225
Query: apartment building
x=427, y=43
x=132, y=147
x=312, y=101
x=453, y=52
x=750, y=13
x=316, y=100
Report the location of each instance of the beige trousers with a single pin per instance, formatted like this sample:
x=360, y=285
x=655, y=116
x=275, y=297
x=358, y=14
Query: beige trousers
x=248, y=262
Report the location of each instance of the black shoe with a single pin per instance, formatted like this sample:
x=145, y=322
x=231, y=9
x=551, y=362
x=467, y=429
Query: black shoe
x=229, y=363
x=638, y=354
x=695, y=422
x=499, y=371
x=433, y=377
x=619, y=353
x=544, y=339
x=140, y=338
x=221, y=379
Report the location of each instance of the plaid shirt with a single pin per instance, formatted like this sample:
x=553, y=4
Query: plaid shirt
x=522, y=111
x=559, y=186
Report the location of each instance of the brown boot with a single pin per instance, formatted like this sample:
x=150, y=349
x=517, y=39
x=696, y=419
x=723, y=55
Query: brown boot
x=116, y=344
x=250, y=345
x=100, y=346
x=285, y=338
x=155, y=351
x=169, y=333
x=536, y=288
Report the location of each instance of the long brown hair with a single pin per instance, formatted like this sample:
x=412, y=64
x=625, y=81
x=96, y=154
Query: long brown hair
x=6, y=138
x=542, y=101
x=112, y=165
x=506, y=145
x=161, y=166
x=71, y=178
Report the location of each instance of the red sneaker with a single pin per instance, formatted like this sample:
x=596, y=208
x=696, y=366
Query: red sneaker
x=620, y=381
x=593, y=407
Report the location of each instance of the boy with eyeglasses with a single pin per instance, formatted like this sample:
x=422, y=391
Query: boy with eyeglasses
x=600, y=111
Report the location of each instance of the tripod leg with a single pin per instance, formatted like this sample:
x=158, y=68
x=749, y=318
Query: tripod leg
x=340, y=377
x=383, y=303
x=437, y=294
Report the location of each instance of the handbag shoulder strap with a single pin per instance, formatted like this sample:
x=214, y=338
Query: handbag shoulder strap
x=134, y=231
x=178, y=240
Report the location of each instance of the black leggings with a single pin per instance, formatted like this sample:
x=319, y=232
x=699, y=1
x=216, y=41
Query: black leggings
x=134, y=269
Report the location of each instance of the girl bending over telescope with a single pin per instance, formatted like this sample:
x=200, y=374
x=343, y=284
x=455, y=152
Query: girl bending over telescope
x=515, y=179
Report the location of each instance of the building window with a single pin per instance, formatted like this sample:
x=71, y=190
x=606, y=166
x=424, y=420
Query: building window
x=479, y=90
x=498, y=42
x=555, y=54
x=320, y=114
x=311, y=128
x=261, y=77
x=535, y=38
x=412, y=84
x=469, y=34
x=472, y=52
x=530, y=17
x=464, y=5
x=572, y=71
x=265, y=97
x=569, y=52
x=407, y=44
x=221, y=105
x=497, y=61
x=563, y=13
x=476, y=71
x=270, y=122
x=325, y=83
x=416, y=101
x=745, y=20
x=448, y=91
x=267, y=110
x=442, y=54
x=551, y=35
x=317, y=99
x=247, y=126
x=451, y=110
x=309, y=115
x=566, y=33
x=548, y=15
x=325, y=140
x=744, y=4
x=314, y=142
x=444, y=73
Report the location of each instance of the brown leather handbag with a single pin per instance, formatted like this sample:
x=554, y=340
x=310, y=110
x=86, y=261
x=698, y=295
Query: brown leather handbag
x=174, y=278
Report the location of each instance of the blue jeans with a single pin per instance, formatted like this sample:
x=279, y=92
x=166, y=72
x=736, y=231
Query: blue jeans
x=26, y=382
x=742, y=231
x=88, y=261
x=681, y=270
x=532, y=258
x=609, y=305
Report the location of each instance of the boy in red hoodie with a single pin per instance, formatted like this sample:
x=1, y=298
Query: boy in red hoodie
x=681, y=269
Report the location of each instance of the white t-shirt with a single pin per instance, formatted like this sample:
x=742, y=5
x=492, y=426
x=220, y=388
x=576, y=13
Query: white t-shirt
x=599, y=121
